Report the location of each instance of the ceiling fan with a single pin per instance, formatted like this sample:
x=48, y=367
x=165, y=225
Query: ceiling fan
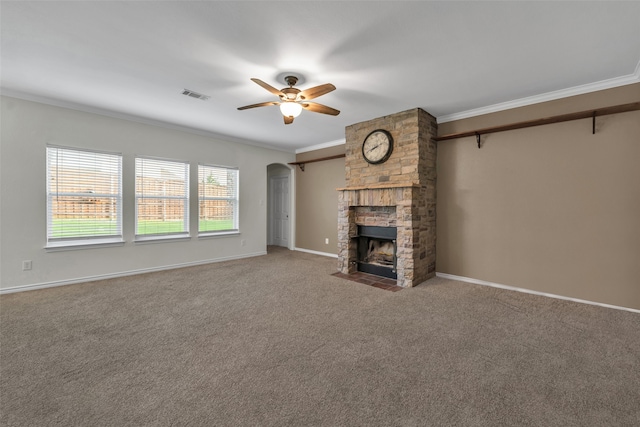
x=293, y=100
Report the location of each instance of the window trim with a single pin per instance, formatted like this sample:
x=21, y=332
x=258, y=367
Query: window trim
x=61, y=243
x=235, y=200
x=171, y=236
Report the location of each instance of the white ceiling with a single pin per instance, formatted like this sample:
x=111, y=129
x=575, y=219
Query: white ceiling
x=133, y=59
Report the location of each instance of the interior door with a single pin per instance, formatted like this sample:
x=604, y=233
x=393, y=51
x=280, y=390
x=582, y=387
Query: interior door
x=280, y=214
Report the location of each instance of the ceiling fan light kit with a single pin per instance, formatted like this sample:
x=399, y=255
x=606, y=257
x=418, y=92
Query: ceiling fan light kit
x=290, y=109
x=293, y=100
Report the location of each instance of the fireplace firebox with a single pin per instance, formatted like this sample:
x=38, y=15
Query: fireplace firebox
x=377, y=250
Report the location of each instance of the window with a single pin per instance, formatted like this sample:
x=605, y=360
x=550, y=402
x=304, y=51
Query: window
x=217, y=199
x=84, y=197
x=162, y=198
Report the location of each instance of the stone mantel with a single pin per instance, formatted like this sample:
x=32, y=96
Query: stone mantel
x=380, y=187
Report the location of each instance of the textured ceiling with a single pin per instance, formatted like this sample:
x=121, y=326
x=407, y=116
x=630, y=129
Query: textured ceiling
x=133, y=59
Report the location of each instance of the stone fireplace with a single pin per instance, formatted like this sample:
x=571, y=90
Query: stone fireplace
x=399, y=193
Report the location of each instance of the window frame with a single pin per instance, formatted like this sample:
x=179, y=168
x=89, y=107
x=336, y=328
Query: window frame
x=233, y=199
x=87, y=239
x=177, y=235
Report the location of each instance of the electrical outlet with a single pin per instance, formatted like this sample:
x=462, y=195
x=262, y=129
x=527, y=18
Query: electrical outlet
x=326, y=241
x=26, y=265
x=243, y=242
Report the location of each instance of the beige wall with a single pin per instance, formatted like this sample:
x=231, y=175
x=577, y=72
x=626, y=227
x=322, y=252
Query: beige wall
x=317, y=200
x=551, y=208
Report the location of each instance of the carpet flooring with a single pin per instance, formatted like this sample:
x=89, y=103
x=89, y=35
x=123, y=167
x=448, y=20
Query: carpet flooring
x=277, y=340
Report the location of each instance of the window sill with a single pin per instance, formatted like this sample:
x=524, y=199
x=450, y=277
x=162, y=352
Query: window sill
x=161, y=239
x=72, y=245
x=214, y=234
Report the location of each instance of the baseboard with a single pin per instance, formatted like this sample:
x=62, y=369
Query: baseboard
x=316, y=252
x=56, y=283
x=529, y=291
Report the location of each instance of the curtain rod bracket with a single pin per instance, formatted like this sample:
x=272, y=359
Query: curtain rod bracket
x=301, y=165
x=478, y=139
x=592, y=114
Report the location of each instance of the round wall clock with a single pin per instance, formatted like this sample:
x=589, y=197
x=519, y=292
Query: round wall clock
x=377, y=146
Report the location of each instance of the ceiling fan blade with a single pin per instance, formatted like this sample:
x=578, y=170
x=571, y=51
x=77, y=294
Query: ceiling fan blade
x=262, y=104
x=268, y=87
x=288, y=120
x=319, y=108
x=317, y=91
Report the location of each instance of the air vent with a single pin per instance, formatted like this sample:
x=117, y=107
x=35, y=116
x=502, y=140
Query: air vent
x=195, y=94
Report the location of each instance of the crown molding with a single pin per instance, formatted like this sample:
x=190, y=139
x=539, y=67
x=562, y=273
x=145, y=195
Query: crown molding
x=321, y=146
x=131, y=118
x=522, y=102
x=549, y=96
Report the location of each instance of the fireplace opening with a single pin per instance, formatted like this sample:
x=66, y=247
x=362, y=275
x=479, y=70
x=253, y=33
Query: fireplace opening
x=377, y=250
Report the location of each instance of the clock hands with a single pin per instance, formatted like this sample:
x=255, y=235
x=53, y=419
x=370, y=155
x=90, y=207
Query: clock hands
x=373, y=148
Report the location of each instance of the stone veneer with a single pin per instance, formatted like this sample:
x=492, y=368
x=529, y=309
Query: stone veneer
x=400, y=192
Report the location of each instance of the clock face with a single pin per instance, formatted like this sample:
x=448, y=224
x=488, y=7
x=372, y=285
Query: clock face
x=377, y=146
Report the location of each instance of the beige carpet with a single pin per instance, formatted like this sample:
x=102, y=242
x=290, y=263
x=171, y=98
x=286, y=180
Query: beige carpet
x=277, y=341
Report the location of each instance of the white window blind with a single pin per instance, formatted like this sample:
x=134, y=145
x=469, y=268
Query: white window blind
x=162, y=197
x=217, y=199
x=84, y=196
